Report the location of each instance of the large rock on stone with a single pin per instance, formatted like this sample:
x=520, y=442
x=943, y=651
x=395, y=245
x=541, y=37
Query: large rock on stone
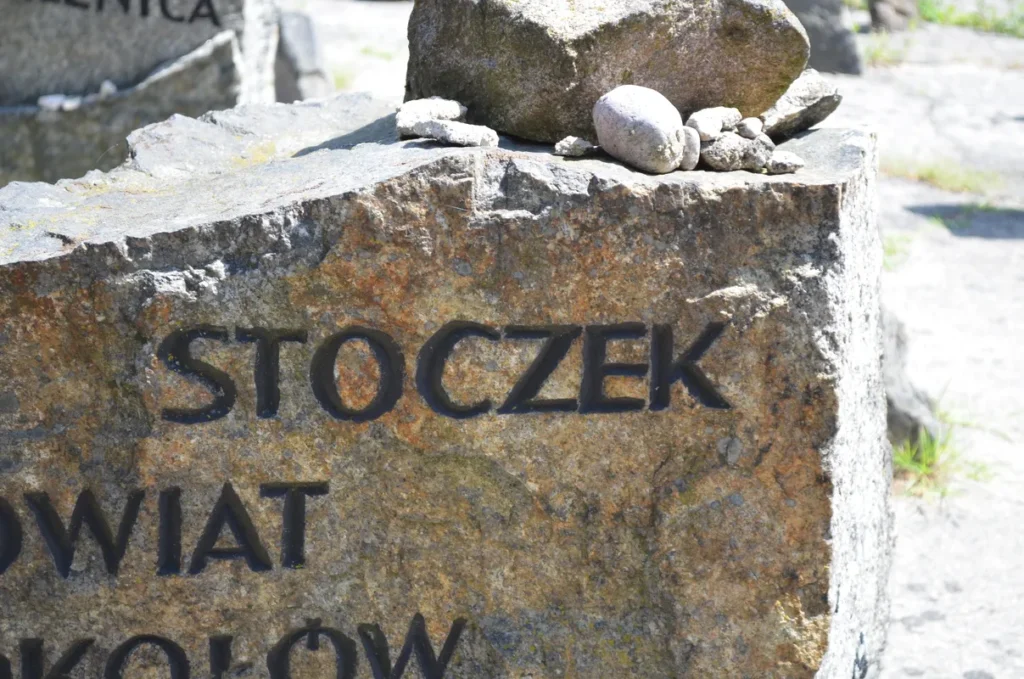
x=48, y=145
x=425, y=373
x=535, y=68
x=808, y=101
x=643, y=129
x=73, y=47
x=833, y=45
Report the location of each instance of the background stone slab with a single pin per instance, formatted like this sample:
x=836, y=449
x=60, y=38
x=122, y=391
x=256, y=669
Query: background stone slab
x=828, y=25
x=71, y=47
x=48, y=145
x=682, y=543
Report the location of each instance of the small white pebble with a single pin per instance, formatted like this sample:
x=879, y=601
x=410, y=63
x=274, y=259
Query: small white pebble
x=710, y=123
x=434, y=108
x=574, y=147
x=455, y=133
x=750, y=128
x=50, y=102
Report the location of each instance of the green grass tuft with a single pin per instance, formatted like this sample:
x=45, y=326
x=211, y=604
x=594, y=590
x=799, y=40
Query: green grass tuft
x=947, y=175
x=371, y=51
x=981, y=19
x=343, y=79
x=880, y=51
x=926, y=466
x=894, y=250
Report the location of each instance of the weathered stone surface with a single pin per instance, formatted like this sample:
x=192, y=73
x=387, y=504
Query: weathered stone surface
x=833, y=46
x=730, y=152
x=72, y=47
x=692, y=541
x=642, y=128
x=48, y=145
x=535, y=68
x=299, y=71
x=810, y=100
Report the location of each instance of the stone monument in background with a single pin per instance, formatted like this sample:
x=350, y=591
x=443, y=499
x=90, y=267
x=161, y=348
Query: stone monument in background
x=78, y=76
x=833, y=45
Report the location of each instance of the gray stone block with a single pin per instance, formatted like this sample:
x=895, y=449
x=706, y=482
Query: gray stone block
x=717, y=507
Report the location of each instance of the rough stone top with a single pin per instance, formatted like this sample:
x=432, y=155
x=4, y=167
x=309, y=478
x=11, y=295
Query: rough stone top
x=576, y=17
x=186, y=173
x=570, y=19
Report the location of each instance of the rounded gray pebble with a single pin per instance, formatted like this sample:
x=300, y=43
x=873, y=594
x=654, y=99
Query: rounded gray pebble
x=420, y=110
x=724, y=154
x=750, y=128
x=642, y=128
x=691, y=149
x=710, y=123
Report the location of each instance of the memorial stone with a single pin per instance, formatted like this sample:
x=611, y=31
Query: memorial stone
x=285, y=396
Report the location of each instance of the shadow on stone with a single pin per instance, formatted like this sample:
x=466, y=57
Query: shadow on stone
x=380, y=131
x=975, y=220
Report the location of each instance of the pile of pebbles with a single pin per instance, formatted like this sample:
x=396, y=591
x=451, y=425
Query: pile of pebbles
x=640, y=127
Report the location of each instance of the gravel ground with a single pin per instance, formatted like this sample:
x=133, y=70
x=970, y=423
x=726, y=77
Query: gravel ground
x=953, y=100
x=364, y=42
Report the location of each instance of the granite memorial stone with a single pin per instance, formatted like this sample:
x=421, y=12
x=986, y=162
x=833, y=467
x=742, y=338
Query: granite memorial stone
x=285, y=396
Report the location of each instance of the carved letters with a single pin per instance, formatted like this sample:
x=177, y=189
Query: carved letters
x=311, y=635
x=663, y=370
x=229, y=515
